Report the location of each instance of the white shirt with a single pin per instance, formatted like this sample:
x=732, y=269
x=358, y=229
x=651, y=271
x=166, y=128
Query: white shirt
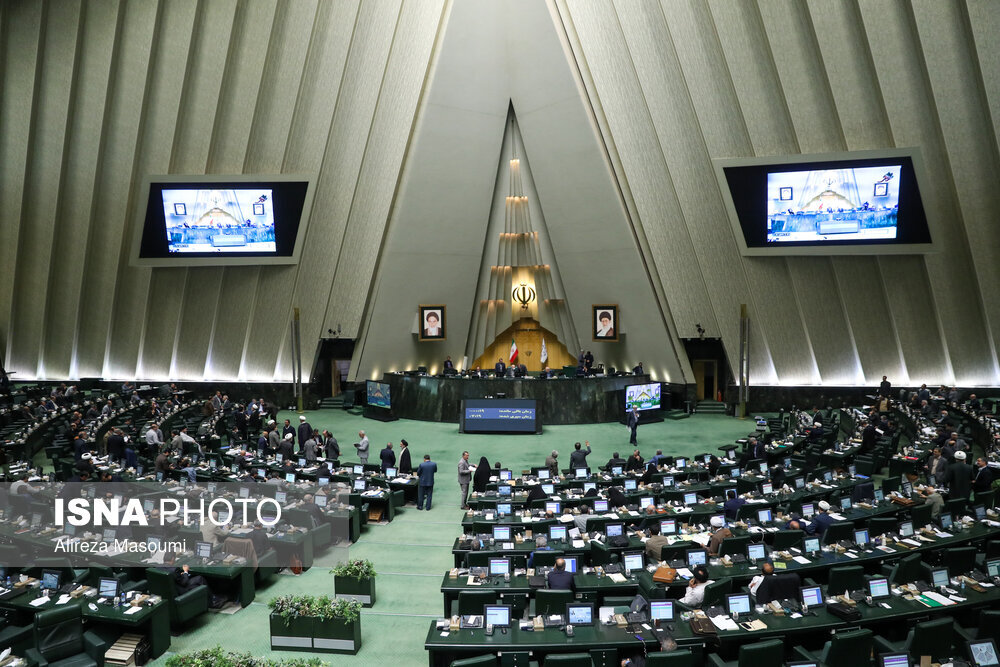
x=693, y=597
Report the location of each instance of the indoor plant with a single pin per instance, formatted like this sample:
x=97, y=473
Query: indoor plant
x=355, y=580
x=310, y=623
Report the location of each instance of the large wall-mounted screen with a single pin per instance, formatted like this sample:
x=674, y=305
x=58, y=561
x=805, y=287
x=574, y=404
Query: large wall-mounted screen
x=378, y=394
x=212, y=220
x=857, y=203
x=497, y=415
x=642, y=396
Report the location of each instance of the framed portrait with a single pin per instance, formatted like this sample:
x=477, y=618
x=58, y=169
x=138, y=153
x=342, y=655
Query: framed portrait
x=605, y=322
x=881, y=189
x=432, y=322
x=785, y=194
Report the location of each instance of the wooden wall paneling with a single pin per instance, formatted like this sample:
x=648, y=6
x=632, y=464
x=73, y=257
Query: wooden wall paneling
x=46, y=150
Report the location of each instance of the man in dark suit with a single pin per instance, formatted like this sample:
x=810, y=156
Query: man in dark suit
x=449, y=365
x=560, y=579
x=959, y=478
x=937, y=468
x=185, y=581
x=733, y=504
x=868, y=436
x=885, y=388
x=405, y=466
x=755, y=450
x=614, y=461
x=425, y=482
x=578, y=457
x=116, y=445
x=822, y=520
x=633, y=424
x=258, y=536
x=501, y=368
x=388, y=457
x=305, y=430
x=288, y=428
x=982, y=479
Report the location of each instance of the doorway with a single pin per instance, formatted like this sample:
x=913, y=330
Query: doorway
x=706, y=377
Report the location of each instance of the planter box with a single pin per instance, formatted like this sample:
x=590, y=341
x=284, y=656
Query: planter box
x=314, y=635
x=353, y=589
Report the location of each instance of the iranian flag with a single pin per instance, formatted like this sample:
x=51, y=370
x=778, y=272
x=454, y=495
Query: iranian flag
x=545, y=352
x=513, y=351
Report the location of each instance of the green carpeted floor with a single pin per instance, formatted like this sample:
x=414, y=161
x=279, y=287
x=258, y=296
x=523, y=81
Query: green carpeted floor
x=413, y=552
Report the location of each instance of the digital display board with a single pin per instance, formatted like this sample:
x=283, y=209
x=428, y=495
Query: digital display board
x=378, y=394
x=500, y=415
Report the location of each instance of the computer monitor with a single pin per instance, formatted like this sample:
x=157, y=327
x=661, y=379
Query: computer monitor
x=506, y=475
x=147, y=505
x=756, y=552
x=107, y=588
x=159, y=475
x=808, y=509
x=630, y=485
x=505, y=490
x=852, y=470
x=571, y=564
x=203, y=549
x=359, y=469
x=360, y=485
x=906, y=529
x=646, y=501
x=845, y=503
x=581, y=473
x=810, y=544
x=69, y=529
x=279, y=458
x=504, y=508
x=879, y=495
x=691, y=498
x=548, y=489
x=614, y=529
x=800, y=482
x=661, y=610
x=812, y=596
x=578, y=613
x=499, y=567
x=861, y=536
x=696, y=557
x=762, y=467
x=50, y=580
x=681, y=462
x=261, y=472
x=738, y=603
x=764, y=516
x=894, y=660
x=153, y=543
x=803, y=663
x=280, y=497
x=290, y=477
x=501, y=533
x=553, y=506
x=827, y=476
x=993, y=567
x=497, y=615
x=668, y=481
x=633, y=562
x=983, y=653
x=108, y=534
x=601, y=505
x=390, y=472
x=734, y=472
x=939, y=576
x=244, y=492
x=980, y=512
x=668, y=526
x=543, y=473
x=616, y=470
x=945, y=520
x=302, y=462
x=878, y=588
x=907, y=488
x=320, y=500
x=767, y=488
x=557, y=533
x=323, y=481
x=589, y=486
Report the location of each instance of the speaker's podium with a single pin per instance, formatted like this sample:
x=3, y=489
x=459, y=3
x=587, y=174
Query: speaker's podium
x=379, y=414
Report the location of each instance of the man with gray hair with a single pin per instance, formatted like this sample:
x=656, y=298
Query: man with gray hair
x=541, y=544
x=361, y=446
x=550, y=463
x=464, y=478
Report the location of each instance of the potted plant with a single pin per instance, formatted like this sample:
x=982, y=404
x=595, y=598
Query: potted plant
x=355, y=580
x=309, y=623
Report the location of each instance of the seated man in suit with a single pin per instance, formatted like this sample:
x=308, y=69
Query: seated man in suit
x=733, y=504
x=541, y=544
x=185, y=581
x=560, y=579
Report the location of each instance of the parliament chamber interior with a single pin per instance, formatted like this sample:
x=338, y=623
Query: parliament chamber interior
x=531, y=333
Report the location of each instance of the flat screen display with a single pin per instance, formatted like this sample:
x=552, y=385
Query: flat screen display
x=983, y=653
x=501, y=533
x=499, y=566
x=497, y=615
x=661, y=610
x=501, y=415
x=642, y=396
x=218, y=220
x=812, y=596
x=600, y=505
x=633, y=562
x=614, y=529
x=378, y=394
x=827, y=204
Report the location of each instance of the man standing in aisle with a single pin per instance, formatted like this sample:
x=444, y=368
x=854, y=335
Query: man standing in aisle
x=633, y=424
x=464, y=477
x=362, y=447
x=305, y=431
x=425, y=488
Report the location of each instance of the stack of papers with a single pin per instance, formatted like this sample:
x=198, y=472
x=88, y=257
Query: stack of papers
x=724, y=622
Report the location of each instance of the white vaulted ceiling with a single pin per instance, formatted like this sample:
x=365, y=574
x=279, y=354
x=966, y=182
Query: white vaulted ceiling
x=95, y=94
